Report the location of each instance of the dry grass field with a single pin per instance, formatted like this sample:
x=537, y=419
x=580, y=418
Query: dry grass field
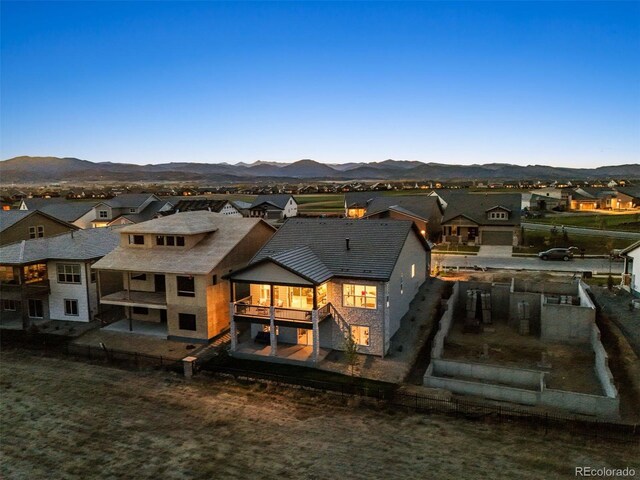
x=63, y=419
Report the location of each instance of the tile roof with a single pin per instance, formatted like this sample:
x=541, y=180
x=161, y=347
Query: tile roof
x=476, y=205
x=277, y=200
x=11, y=217
x=374, y=245
x=421, y=206
x=77, y=245
x=222, y=234
x=68, y=211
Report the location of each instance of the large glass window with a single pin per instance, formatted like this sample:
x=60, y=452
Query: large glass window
x=360, y=335
x=6, y=275
x=34, y=273
x=361, y=296
x=68, y=273
x=35, y=308
x=186, y=286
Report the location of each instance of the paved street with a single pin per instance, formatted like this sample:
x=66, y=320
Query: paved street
x=583, y=231
x=595, y=265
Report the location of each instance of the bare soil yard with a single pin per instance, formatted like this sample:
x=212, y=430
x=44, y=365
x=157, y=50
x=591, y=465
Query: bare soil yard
x=65, y=419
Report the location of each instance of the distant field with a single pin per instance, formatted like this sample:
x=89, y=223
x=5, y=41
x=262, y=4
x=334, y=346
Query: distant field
x=71, y=420
x=627, y=222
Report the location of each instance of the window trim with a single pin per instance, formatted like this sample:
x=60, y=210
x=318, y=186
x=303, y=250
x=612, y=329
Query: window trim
x=34, y=300
x=9, y=301
x=105, y=216
x=71, y=302
x=368, y=334
x=361, y=288
x=66, y=274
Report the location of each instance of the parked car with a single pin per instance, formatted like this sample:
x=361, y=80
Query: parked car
x=558, y=254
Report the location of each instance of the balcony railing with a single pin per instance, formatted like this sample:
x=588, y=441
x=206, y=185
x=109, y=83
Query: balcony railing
x=35, y=288
x=242, y=308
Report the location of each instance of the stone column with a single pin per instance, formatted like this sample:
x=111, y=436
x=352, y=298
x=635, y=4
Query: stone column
x=316, y=336
x=232, y=328
x=272, y=331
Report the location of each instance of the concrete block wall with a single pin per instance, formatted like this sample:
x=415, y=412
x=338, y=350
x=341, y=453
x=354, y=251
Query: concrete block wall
x=445, y=323
x=516, y=377
x=602, y=364
x=581, y=403
x=566, y=323
x=494, y=392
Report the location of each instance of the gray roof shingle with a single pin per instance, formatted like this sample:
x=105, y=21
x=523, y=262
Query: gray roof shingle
x=421, y=206
x=67, y=211
x=277, y=200
x=476, y=205
x=304, y=262
x=374, y=246
x=78, y=245
x=11, y=217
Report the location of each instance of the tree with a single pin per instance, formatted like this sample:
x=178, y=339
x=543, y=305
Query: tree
x=351, y=352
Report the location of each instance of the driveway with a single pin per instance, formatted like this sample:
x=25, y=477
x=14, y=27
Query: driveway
x=594, y=265
x=544, y=227
x=495, y=251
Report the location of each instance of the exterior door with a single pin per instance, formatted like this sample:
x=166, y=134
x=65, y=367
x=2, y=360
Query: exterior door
x=305, y=336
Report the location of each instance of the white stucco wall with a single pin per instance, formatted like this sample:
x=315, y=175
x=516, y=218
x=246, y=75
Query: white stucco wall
x=71, y=291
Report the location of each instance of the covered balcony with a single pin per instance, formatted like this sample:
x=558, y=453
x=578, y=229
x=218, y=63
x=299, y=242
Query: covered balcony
x=277, y=305
x=134, y=298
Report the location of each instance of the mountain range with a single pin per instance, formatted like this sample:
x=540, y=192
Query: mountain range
x=26, y=169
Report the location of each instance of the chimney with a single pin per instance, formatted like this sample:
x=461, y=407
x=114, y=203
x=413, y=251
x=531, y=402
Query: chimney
x=347, y=241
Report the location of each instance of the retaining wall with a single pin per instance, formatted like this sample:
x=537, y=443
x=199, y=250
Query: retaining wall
x=495, y=392
x=515, y=377
x=445, y=322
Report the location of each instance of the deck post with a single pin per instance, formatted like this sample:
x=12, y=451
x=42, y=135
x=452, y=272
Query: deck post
x=232, y=327
x=316, y=336
x=272, y=331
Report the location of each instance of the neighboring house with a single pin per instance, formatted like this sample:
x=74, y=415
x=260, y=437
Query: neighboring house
x=355, y=203
x=80, y=214
x=128, y=208
x=17, y=225
x=631, y=271
x=274, y=207
x=533, y=201
x=424, y=211
x=50, y=278
x=318, y=280
x=224, y=207
x=483, y=219
x=626, y=198
x=591, y=198
x=553, y=195
x=172, y=270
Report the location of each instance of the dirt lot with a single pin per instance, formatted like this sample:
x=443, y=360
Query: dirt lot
x=64, y=419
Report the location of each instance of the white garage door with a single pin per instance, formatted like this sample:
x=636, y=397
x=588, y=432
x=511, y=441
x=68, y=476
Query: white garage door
x=497, y=237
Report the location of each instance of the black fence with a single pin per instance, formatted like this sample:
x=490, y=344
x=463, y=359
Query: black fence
x=121, y=357
x=480, y=411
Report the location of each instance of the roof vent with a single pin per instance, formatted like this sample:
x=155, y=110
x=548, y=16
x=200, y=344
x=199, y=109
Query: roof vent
x=347, y=242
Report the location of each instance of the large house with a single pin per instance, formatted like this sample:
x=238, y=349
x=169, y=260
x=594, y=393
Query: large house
x=318, y=280
x=173, y=269
x=18, y=225
x=424, y=211
x=224, y=207
x=50, y=278
x=631, y=271
x=627, y=198
x=482, y=219
x=128, y=208
x=274, y=207
x=591, y=198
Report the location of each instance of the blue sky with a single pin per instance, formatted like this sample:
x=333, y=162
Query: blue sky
x=153, y=82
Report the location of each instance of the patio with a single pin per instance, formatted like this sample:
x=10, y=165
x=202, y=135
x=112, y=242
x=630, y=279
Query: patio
x=154, y=329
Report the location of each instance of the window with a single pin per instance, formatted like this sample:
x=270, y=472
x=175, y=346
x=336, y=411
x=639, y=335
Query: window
x=34, y=273
x=401, y=284
x=360, y=335
x=361, y=296
x=140, y=310
x=93, y=277
x=35, y=308
x=136, y=239
x=170, y=241
x=498, y=215
x=186, y=286
x=413, y=270
x=6, y=275
x=132, y=210
x=214, y=280
x=267, y=328
x=186, y=321
x=68, y=273
x=160, y=240
x=139, y=276
x=71, y=307
x=36, y=232
x=180, y=241
x=9, y=305
x=103, y=214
